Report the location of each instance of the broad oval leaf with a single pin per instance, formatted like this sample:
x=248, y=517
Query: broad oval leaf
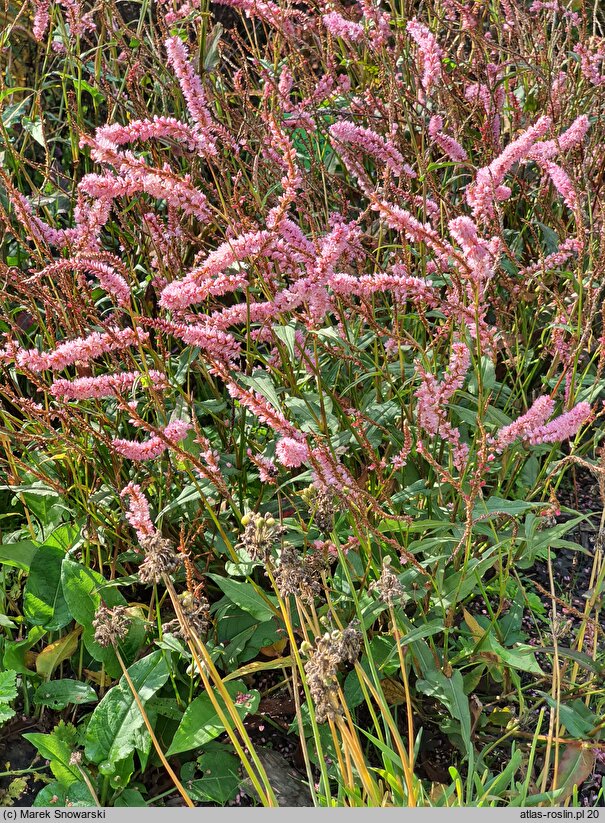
x=43, y=601
x=61, y=693
x=201, y=722
x=111, y=733
x=246, y=597
x=54, y=654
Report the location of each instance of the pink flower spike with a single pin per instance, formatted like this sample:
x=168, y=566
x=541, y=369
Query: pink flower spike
x=138, y=511
x=447, y=144
x=338, y=26
x=430, y=53
x=368, y=141
x=488, y=184
x=563, y=184
x=291, y=453
x=563, y=427
x=535, y=417
x=105, y=385
x=154, y=446
x=191, y=85
x=80, y=350
x=433, y=397
x=41, y=18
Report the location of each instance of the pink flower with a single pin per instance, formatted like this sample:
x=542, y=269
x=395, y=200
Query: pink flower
x=339, y=27
x=154, y=446
x=291, y=453
x=555, y=260
x=262, y=409
x=109, y=279
x=430, y=53
x=205, y=335
x=269, y=12
x=211, y=278
x=447, y=144
x=41, y=18
x=481, y=255
x=159, y=183
x=562, y=183
x=329, y=472
x=158, y=127
x=488, y=183
x=561, y=428
x=490, y=96
x=106, y=385
x=267, y=470
x=80, y=350
x=368, y=141
x=433, y=397
x=411, y=227
x=397, y=280
x=571, y=138
x=138, y=511
x=37, y=229
x=190, y=83
x=535, y=417
x=590, y=64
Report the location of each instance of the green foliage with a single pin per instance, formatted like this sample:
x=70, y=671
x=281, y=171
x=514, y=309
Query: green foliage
x=202, y=722
x=8, y=692
x=323, y=557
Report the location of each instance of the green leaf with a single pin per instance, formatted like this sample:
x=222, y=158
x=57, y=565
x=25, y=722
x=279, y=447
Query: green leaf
x=57, y=694
x=15, y=650
x=261, y=382
x=201, y=722
x=43, y=600
x=581, y=658
x=8, y=686
x=287, y=335
x=64, y=536
x=6, y=713
x=520, y=657
x=245, y=596
x=221, y=779
x=34, y=128
x=58, y=795
x=19, y=555
x=130, y=798
x=58, y=751
x=121, y=772
x=82, y=588
x=43, y=502
x=575, y=716
x=497, y=505
x=450, y=692
x=82, y=85
x=111, y=731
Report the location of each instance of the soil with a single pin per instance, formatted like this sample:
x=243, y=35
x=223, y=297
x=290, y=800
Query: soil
x=18, y=754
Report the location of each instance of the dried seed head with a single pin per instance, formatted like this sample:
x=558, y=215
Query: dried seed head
x=388, y=586
x=331, y=650
x=260, y=535
x=110, y=625
x=197, y=613
x=323, y=505
x=160, y=558
x=296, y=575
